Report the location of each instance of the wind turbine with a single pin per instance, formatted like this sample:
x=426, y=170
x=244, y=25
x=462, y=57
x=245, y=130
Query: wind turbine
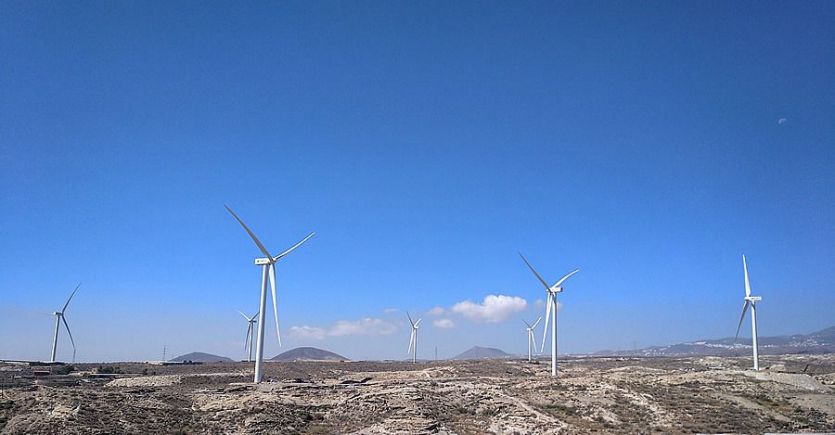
x=267, y=264
x=551, y=305
x=413, y=337
x=249, y=330
x=59, y=317
x=531, y=340
x=752, y=302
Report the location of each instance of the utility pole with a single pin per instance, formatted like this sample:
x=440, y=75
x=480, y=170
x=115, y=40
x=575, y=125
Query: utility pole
x=163, y=352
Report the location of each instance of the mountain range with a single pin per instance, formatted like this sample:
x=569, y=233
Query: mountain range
x=308, y=354
x=822, y=341
x=478, y=352
x=200, y=357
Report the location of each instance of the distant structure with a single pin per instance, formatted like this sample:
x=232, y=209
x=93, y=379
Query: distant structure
x=551, y=305
x=752, y=302
x=531, y=341
x=59, y=317
x=413, y=337
x=250, y=322
x=267, y=264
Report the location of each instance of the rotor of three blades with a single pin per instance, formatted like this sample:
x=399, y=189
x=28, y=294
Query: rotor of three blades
x=269, y=261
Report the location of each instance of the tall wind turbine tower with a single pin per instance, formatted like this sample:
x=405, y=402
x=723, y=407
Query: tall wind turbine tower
x=752, y=302
x=59, y=317
x=250, y=321
x=531, y=341
x=413, y=337
x=551, y=305
x=267, y=264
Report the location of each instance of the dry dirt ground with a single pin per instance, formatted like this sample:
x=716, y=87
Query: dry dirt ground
x=592, y=395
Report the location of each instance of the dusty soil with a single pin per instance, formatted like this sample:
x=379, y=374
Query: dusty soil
x=593, y=395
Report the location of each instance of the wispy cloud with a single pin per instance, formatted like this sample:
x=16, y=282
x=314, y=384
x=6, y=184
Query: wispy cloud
x=782, y=121
x=368, y=326
x=390, y=310
x=437, y=311
x=494, y=308
x=444, y=323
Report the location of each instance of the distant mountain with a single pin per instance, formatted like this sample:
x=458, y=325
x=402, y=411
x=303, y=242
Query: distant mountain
x=822, y=341
x=200, y=357
x=308, y=354
x=477, y=352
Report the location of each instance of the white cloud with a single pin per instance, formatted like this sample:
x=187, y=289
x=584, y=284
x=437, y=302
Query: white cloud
x=308, y=332
x=444, y=323
x=494, y=308
x=390, y=310
x=366, y=326
x=782, y=121
x=437, y=311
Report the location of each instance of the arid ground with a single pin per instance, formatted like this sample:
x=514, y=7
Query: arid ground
x=592, y=395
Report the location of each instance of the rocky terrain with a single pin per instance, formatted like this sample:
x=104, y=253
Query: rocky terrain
x=592, y=395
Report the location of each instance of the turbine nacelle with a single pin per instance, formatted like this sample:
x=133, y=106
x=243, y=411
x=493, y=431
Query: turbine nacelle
x=753, y=299
x=263, y=261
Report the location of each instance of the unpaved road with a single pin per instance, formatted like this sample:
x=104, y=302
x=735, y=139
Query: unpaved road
x=594, y=395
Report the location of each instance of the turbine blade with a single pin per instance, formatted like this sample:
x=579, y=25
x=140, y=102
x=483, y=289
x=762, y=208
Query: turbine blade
x=747, y=283
x=277, y=257
x=248, y=332
x=275, y=303
x=254, y=316
x=526, y=323
x=245, y=317
x=251, y=234
x=533, y=339
x=417, y=323
x=536, y=323
x=70, y=298
x=70, y=334
x=410, y=319
x=411, y=340
x=741, y=318
x=534, y=272
x=568, y=275
x=547, y=315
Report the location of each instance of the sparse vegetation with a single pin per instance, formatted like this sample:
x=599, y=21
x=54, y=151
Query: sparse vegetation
x=591, y=396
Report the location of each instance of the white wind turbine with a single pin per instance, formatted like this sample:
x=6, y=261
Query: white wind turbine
x=413, y=337
x=250, y=321
x=267, y=264
x=551, y=305
x=59, y=317
x=752, y=302
x=531, y=340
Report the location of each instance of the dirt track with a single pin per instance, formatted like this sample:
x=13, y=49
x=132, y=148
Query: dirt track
x=710, y=395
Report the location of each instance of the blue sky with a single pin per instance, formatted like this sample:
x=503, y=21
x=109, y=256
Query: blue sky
x=426, y=143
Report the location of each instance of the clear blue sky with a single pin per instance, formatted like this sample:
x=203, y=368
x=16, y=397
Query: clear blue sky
x=648, y=144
